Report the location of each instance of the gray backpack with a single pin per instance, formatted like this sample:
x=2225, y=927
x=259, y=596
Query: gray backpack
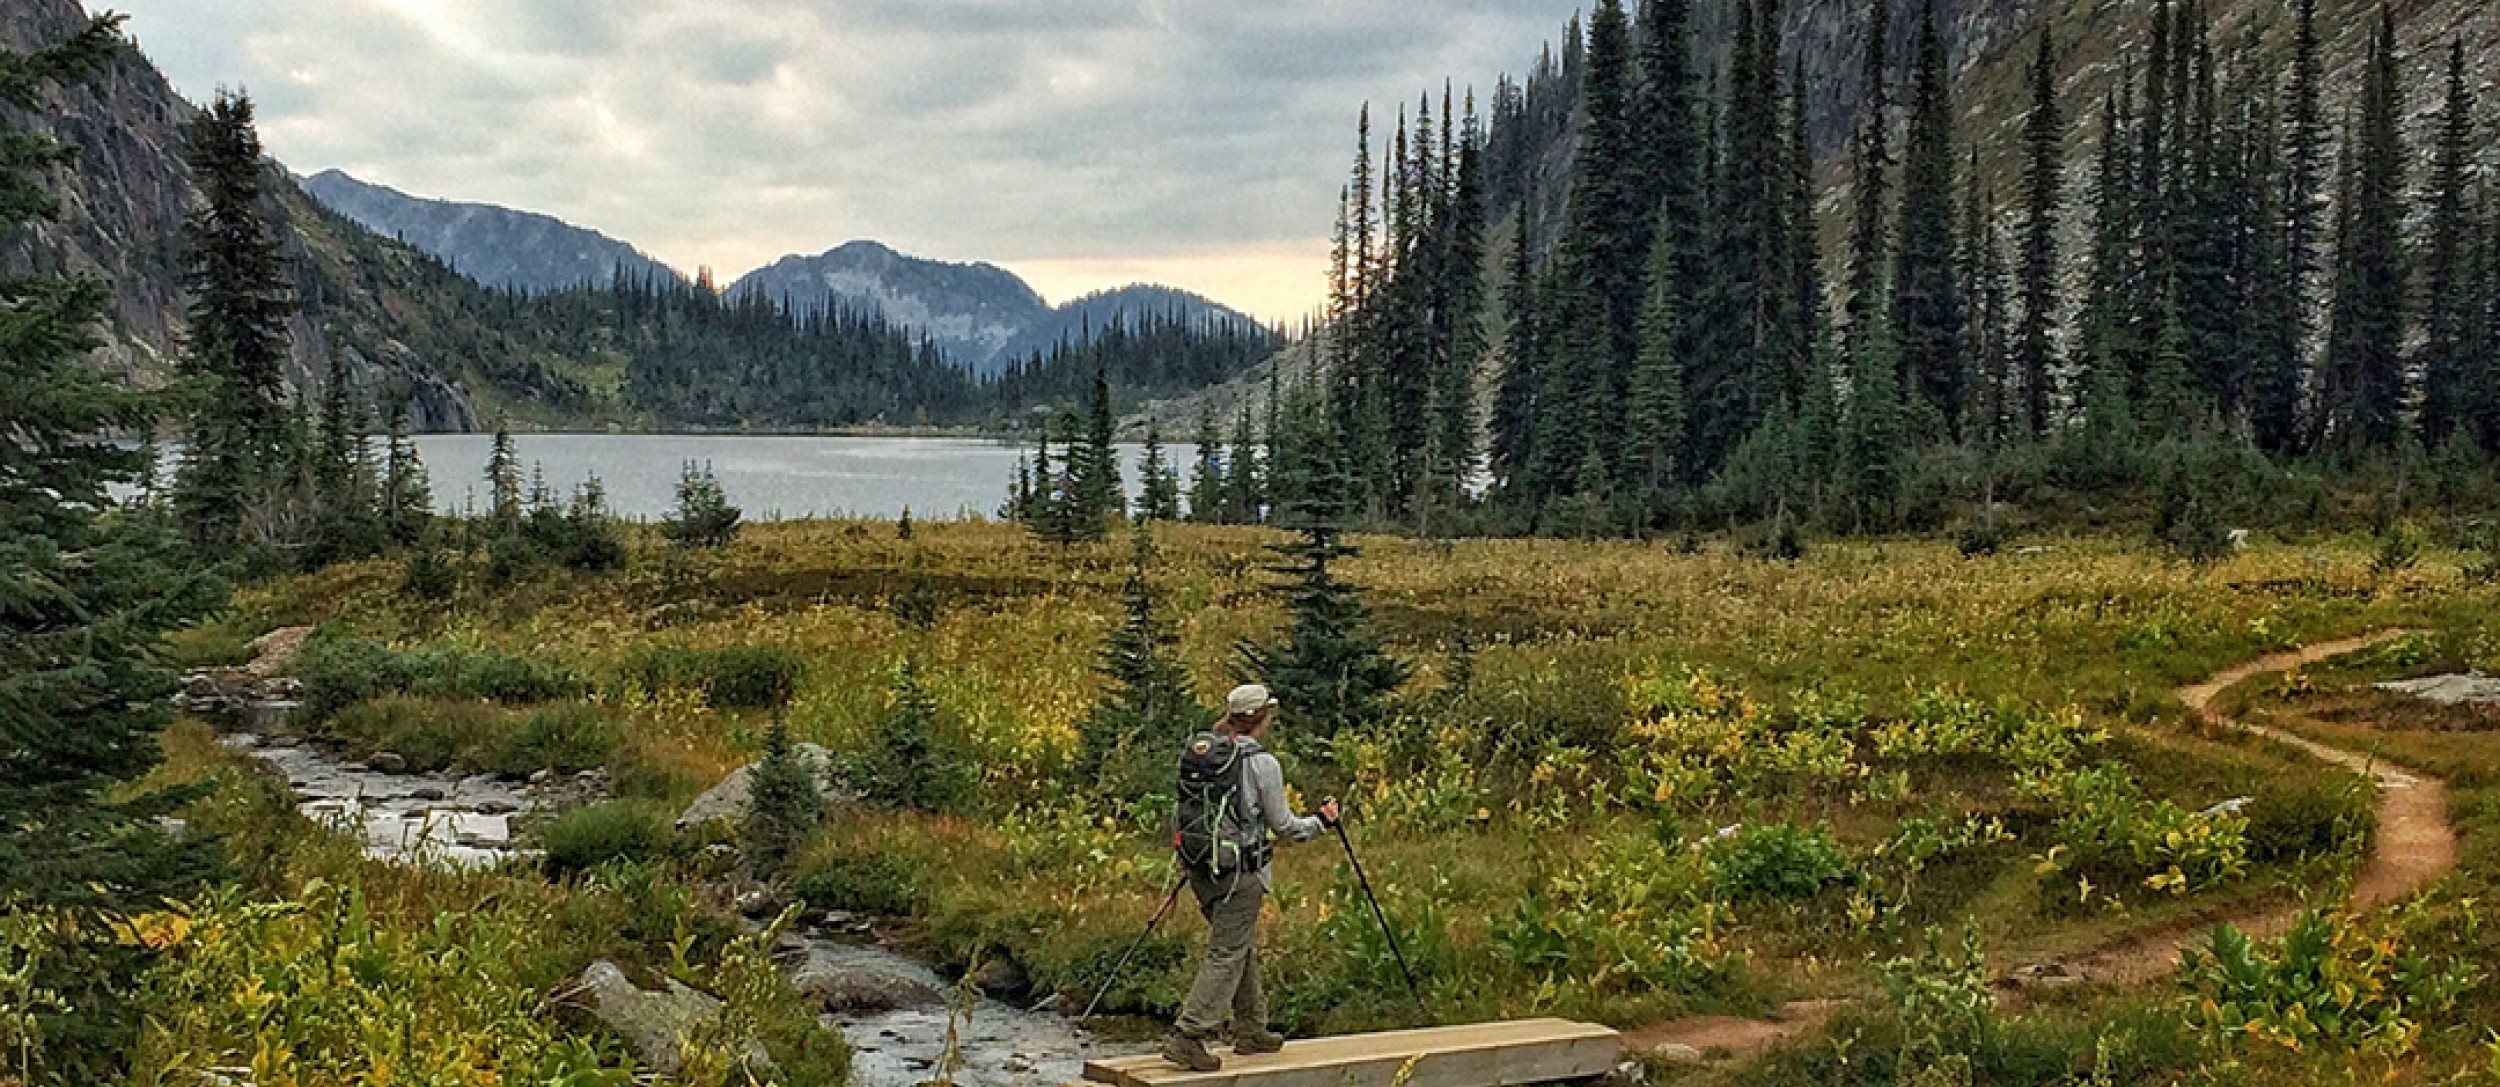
x=1212, y=830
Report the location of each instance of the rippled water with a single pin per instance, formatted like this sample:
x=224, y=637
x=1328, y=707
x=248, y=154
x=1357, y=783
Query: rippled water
x=768, y=477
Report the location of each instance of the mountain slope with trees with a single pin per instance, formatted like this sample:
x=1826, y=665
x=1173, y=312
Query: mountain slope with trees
x=499, y=247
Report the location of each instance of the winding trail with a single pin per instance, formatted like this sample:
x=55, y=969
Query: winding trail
x=2413, y=846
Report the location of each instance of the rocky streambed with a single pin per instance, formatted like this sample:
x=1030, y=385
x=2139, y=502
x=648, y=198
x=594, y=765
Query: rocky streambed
x=895, y=1011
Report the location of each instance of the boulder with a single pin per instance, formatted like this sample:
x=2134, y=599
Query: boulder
x=653, y=1021
x=1001, y=977
x=2450, y=690
x=855, y=980
x=387, y=762
x=1677, y=1055
x=273, y=653
x=728, y=800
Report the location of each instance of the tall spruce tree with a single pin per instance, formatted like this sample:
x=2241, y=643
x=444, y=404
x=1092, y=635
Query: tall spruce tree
x=1869, y=235
x=1666, y=117
x=1206, y=476
x=1160, y=493
x=2365, y=377
x=235, y=340
x=1654, y=442
x=1601, y=267
x=2044, y=163
x=1094, y=462
x=89, y=595
x=2450, y=366
x=407, y=496
x=1330, y=663
x=1515, y=406
x=1928, y=305
x=2281, y=388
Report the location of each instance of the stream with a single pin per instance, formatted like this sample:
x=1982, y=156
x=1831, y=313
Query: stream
x=468, y=821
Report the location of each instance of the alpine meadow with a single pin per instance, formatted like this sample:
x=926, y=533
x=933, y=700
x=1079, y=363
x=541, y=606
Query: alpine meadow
x=1826, y=543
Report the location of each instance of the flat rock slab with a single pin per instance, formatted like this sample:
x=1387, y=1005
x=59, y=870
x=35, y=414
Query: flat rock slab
x=1485, y=1055
x=2451, y=690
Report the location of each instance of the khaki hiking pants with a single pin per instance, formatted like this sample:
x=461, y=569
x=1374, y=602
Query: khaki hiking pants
x=1228, y=978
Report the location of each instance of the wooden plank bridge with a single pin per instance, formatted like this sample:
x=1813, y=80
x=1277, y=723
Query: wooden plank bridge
x=1507, y=1054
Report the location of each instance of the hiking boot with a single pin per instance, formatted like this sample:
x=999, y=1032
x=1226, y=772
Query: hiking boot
x=1190, y=1053
x=1257, y=1040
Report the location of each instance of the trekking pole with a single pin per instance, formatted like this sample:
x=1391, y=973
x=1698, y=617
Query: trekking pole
x=1411, y=988
x=1122, y=965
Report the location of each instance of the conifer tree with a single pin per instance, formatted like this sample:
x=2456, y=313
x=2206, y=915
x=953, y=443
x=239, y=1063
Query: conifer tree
x=2365, y=386
x=1928, y=304
x=1654, y=443
x=88, y=597
x=1150, y=700
x=1244, y=496
x=703, y=517
x=235, y=339
x=1869, y=238
x=407, y=496
x=1602, y=267
x=1515, y=405
x=1330, y=664
x=2043, y=169
x=1093, y=461
x=2449, y=367
x=1666, y=118
x=1986, y=334
x=2108, y=318
x=783, y=805
x=503, y=483
x=1206, y=479
x=1874, y=451
x=1160, y=499
x=1805, y=264
x=2281, y=388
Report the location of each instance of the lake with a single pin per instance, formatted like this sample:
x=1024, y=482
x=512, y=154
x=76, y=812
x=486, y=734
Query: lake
x=768, y=477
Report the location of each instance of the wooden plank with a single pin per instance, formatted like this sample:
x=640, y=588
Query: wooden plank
x=1506, y=1054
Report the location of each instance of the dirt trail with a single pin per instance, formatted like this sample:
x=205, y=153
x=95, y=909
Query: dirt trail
x=2414, y=845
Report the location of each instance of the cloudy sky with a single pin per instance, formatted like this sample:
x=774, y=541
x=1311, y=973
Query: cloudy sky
x=1081, y=143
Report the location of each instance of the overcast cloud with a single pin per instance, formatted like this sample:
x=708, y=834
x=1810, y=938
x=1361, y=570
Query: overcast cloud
x=1082, y=143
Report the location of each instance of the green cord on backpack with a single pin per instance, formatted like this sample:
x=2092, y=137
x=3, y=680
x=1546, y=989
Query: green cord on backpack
x=1211, y=830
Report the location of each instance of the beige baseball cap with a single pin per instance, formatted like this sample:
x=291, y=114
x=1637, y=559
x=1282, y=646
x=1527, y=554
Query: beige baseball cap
x=1247, y=700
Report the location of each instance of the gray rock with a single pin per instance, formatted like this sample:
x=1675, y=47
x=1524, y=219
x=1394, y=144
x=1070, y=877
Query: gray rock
x=1677, y=1055
x=541, y=777
x=428, y=792
x=2450, y=690
x=759, y=903
x=1000, y=976
x=387, y=762
x=652, y=1021
x=841, y=979
x=728, y=800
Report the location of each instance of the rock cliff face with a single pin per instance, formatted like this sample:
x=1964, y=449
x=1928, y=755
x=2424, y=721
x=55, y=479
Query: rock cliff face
x=496, y=246
x=405, y=323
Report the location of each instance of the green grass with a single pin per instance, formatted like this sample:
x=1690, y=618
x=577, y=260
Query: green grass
x=1522, y=828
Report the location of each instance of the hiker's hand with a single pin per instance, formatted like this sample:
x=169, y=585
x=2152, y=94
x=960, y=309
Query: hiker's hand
x=1328, y=812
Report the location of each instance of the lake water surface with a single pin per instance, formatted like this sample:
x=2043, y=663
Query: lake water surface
x=768, y=477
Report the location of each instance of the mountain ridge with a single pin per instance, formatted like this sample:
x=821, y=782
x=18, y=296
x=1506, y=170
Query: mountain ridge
x=495, y=245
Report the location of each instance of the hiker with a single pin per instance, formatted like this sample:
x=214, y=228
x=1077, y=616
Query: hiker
x=1232, y=798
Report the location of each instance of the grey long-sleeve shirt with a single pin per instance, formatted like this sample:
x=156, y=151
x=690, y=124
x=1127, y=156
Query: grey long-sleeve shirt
x=1266, y=804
